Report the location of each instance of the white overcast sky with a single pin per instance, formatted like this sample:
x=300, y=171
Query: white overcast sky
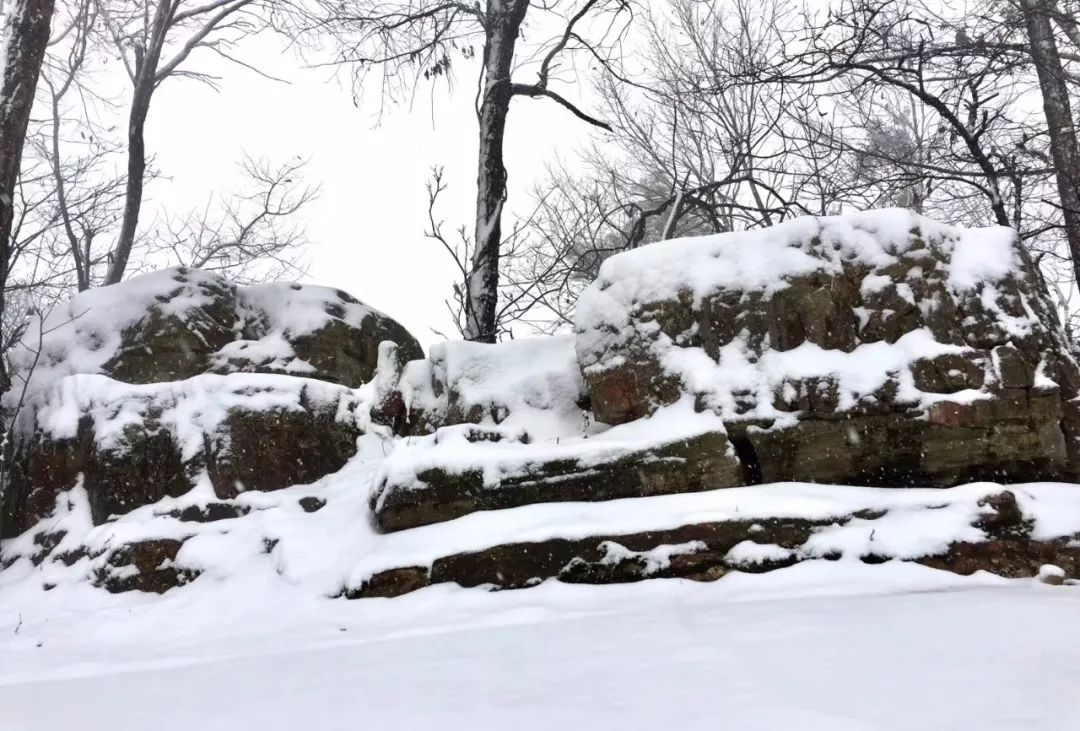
x=367, y=226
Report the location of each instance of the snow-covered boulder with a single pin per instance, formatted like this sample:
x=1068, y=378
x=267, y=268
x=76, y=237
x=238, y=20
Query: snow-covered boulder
x=147, y=389
x=157, y=327
x=177, y=323
x=874, y=348
x=533, y=384
x=311, y=331
x=131, y=445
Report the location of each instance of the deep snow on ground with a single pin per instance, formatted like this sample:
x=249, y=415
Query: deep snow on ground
x=823, y=645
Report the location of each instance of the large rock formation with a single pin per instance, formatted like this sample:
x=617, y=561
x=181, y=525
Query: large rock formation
x=148, y=389
x=878, y=348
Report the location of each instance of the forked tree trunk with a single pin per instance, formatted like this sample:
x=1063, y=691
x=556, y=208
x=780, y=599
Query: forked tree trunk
x=504, y=18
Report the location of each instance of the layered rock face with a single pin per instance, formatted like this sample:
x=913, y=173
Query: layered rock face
x=179, y=380
x=464, y=469
x=877, y=349
x=874, y=349
x=963, y=530
x=132, y=445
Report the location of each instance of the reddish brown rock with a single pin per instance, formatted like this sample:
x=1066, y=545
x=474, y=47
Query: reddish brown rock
x=148, y=566
x=703, y=552
x=702, y=462
x=648, y=334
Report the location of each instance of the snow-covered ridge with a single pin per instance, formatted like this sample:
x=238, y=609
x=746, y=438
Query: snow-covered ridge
x=334, y=549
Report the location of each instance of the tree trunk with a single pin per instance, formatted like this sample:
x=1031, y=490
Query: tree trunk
x=1059, y=118
x=504, y=19
x=136, y=175
x=25, y=34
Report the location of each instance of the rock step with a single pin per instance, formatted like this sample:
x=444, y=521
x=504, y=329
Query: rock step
x=469, y=468
x=998, y=536
x=438, y=492
x=1013, y=532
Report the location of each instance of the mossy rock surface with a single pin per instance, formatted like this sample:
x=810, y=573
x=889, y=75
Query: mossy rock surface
x=161, y=451
x=709, y=550
x=703, y=462
x=881, y=356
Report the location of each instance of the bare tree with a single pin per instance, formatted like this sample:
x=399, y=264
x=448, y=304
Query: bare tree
x=407, y=41
x=73, y=200
x=25, y=35
x=154, y=39
x=515, y=299
x=864, y=48
x=744, y=115
x=86, y=194
x=975, y=69
x=252, y=234
x=699, y=145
